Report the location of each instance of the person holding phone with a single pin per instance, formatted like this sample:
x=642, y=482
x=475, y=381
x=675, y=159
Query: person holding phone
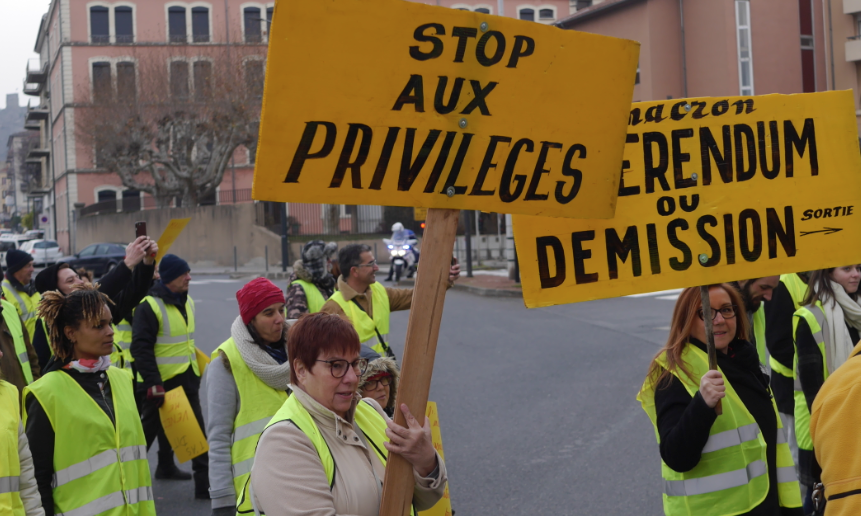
x=126, y=285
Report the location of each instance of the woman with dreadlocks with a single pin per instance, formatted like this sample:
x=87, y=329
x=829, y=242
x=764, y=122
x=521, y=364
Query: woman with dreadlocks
x=89, y=449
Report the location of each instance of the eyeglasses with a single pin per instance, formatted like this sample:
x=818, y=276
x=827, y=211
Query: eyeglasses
x=727, y=312
x=338, y=367
x=372, y=263
x=385, y=381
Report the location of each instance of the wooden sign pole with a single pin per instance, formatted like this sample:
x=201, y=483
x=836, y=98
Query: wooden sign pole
x=420, y=348
x=710, y=335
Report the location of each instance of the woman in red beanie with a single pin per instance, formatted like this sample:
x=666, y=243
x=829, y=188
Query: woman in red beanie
x=247, y=382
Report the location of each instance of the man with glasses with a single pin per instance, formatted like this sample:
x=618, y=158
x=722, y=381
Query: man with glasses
x=365, y=302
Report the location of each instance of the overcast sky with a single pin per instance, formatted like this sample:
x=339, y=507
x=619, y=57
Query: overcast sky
x=19, y=25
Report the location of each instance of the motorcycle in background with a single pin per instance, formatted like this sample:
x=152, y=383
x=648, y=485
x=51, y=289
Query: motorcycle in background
x=403, y=255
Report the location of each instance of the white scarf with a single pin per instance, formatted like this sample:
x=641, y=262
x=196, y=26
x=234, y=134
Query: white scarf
x=90, y=366
x=265, y=367
x=838, y=342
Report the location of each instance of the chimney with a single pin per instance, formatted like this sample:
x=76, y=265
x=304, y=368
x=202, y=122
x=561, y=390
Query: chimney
x=12, y=100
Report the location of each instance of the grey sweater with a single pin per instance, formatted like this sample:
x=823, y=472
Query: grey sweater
x=223, y=406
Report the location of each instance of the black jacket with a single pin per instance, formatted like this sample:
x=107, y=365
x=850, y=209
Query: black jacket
x=145, y=331
x=780, y=344
x=125, y=287
x=40, y=432
x=684, y=422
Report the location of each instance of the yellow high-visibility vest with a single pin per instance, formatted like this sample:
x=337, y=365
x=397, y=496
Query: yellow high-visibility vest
x=24, y=304
x=10, y=463
x=366, y=327
x=174, y=345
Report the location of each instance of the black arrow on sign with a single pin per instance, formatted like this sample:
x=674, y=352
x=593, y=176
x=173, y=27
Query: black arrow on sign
x=827, y=231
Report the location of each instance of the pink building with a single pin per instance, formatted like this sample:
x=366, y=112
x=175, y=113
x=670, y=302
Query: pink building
x=541, y=11
x=691, y=48
x=91, y=48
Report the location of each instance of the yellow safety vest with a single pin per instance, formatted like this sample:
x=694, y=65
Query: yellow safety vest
x=174, y=345
x=759, y=333
x=122, y=355
x=10, y=463
x=312, y=294
x=24, y=304
x=732, y=474
x=815, y=317
x=257, y=404
x=13, y=323
x=100, y=467
x=797, y=289
x=366, y=327
x=369, y=421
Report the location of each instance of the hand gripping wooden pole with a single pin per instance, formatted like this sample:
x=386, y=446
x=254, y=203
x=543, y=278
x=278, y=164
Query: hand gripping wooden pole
x=710, y=335
x=420, y=349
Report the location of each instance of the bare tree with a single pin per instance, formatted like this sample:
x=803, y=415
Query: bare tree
x=168, y=121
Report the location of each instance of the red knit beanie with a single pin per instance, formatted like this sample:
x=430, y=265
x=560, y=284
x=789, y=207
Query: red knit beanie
x=255, y=296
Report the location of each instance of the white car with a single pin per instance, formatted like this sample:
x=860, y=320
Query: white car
x=8, y=242
x=44, y=252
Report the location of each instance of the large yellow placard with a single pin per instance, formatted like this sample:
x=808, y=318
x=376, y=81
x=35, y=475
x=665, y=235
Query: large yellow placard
x=713, y=190
x=397, y=103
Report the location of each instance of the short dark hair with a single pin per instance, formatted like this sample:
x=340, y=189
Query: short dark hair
x=351, y=256
x=319, y=333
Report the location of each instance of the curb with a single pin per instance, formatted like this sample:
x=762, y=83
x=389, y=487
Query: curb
x=489, y=292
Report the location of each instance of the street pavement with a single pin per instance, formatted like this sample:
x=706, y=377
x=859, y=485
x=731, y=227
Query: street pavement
x=536, y=407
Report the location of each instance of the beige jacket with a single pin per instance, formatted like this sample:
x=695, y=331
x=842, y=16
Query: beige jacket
x=288, y=478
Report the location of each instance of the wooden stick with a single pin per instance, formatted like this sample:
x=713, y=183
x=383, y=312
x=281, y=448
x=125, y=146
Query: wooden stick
x=420, y=349
x=710, y=335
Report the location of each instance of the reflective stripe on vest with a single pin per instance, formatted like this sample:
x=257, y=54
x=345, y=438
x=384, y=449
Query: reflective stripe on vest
x=13, y=324
x=364, y=325
x=257, y=404
x=815, y=318
x=112, y=501
x=759, y=333
x=25, y=305
x=732, y=475
x=174, y=346
x=122, y=356
x=312, y=295
x=371, y=424
x=10, y=463
x=107, y=473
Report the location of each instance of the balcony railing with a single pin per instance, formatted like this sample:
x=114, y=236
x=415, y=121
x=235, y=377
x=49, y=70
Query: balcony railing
x=851, y=6
x=36, y=71
x=853, y=50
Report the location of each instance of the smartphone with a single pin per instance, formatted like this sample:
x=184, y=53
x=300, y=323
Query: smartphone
x=140, y=229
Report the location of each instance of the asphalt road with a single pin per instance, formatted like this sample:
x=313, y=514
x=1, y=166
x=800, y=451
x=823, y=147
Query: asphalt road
x=536, y=407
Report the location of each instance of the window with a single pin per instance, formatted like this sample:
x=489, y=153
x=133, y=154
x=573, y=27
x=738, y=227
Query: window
x=582, y=4
x=179, y=79
x=99, y=25
x=90, y=250
x=176, y=24
x=546, y=14
x=202, y=80
x=200, y=24
x=107, y=195
x=251, y=17
x=269, y=12
x=126, y=81
x=102, y=89
x=527, y=14
x=484, y=10
x=104, y=249
x=745, y=53
x=124, y=24
x=254, y=77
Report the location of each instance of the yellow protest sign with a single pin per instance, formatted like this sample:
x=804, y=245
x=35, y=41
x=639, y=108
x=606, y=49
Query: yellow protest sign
x=441, y=108
x=168, y=236
x=443, y=506
x=713, y=190
x=420, y=214
x=202, y=360
x=181, y=427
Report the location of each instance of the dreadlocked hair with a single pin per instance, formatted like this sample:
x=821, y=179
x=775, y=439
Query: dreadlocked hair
x=58, y=311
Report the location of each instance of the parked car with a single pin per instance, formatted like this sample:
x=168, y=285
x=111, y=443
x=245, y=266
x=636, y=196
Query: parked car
x=35, y=233
x=8, y=242
x=44, y=252
x=99, y=258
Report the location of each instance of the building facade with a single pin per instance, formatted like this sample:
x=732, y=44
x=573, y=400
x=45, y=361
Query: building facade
x=91, y=50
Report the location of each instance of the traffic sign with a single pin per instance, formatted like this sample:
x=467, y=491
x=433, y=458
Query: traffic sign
x=713, y=190
x=441, y=108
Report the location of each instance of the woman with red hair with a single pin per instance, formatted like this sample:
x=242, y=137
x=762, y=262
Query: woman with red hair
x=732, y=463
x=325, y=450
